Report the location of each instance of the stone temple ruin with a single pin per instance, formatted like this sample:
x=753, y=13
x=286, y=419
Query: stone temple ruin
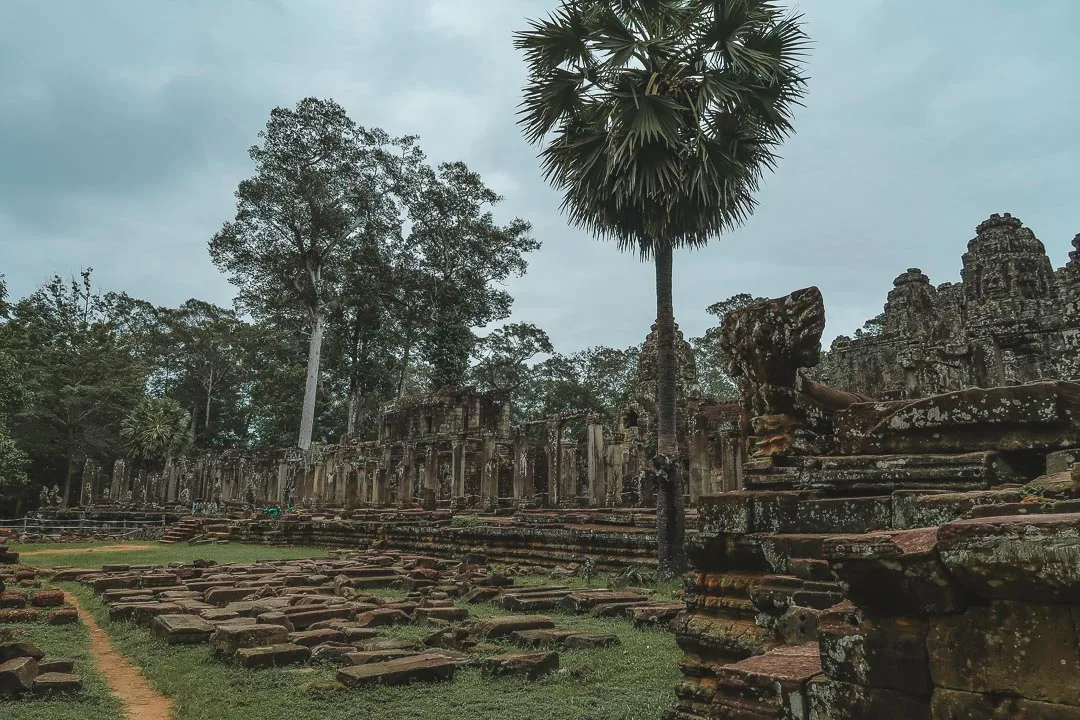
x=894, y=534
x=1012, y=319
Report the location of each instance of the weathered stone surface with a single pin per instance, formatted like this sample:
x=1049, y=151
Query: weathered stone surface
x=589, y=641
x=311, y=638
x=272, y=655
x=832, y=700
x=896, y=572
x=1037, y=416
x=541, y=638
x=958, y=705
x=979, y=651
x=425, y=668
x=449, y=614
x=181, y=629
x=16, y=649
x=379, y=618
x=362, y=657
x=878, y=652
x=47, y=683
x=1023, y=558
x=502, y=625
x=227, y=639
x=55, y=666
x=527, y=665
x=17, y=675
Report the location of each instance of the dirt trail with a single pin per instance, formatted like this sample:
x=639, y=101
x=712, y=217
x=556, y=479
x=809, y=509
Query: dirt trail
x=141, y=702
x=101, y=549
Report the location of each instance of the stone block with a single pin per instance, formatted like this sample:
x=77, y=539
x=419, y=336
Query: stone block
x=590, y=641
x=47, y=598
x=304, y=619
x=181, y=629
x=833, y=700
x=1009, y=648
x=526, y=665
x=877, y=652
x=502, y=625
x=1034, y=558
x=1062, y=461
x=17, y=649
x=379, y=618
x=959, y=705
x=362, y=657
x=417, y=668
x=55, y=666
x=17, y=675
x=144, y=614
x=541, y=638
x=275, y=655
x=311, y=638
x=227, y=639
x=48, y=683
x=449, y=614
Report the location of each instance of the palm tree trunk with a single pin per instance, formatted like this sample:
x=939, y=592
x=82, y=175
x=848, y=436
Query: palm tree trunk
x=307, y=418
x=670, y=511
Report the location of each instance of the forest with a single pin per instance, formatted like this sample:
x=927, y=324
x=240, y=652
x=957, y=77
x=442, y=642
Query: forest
x=362, y=273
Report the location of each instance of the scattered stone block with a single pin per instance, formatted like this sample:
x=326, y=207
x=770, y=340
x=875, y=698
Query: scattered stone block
x=541, y=638
x=275, y=655
x=275, y=617
x=418, y=668
x=311, y=638
x=48, y=683
x=181, y=629
x=499, y=626
x=362, y=657
x=17, y=675
x=590, y=641
x=12, y=650
x=227, y=639
x=55, y=666
x=379, y=618
x=449, y=614
x=527, y=665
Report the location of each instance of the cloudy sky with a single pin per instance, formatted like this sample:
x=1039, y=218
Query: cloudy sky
x=125, y=126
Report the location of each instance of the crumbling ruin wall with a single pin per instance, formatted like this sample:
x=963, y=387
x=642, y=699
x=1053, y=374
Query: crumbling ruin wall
x=1012, y=319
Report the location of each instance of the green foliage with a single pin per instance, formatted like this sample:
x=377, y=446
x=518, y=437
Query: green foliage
x=599, y=379
x=872, y=327
x=157, y=430
x=710, y=359
x=659, y=118
x=504, y=354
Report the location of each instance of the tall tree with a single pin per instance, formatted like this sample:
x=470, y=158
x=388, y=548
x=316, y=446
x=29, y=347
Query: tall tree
x=156, y=431
x=658, y=119
x=82, y=367
x=322, y=185
x=461, y=258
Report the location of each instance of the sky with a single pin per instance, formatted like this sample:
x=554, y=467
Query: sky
x=125, y=124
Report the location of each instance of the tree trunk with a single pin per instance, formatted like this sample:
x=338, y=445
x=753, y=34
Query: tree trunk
x=67, y=478
x=307, y=419
x=404, y=370
x=670, y=510
x=209, y=395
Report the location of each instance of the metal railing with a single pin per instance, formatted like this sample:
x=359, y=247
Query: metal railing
x=85, y=526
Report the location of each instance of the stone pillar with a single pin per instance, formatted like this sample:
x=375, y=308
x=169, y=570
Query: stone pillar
x=364, y=482
x=457, y=469
x=489, y=472
x=408, y=472
x=554, y=458
x=520, y=470
x=732, y=458
x=117, y=480
x=172, y=478
x=699, y=464
x=568, y=479
x=457, y=493
x=614, y=474
x=431, y=469
x=597, y=463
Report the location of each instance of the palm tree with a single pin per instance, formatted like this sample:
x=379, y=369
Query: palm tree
x=156, y=431
x=657, y=120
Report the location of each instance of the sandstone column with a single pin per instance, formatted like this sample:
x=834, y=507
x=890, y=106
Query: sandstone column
x=699, y=464
x=405, y=488
x=520, y=472
x=489, y=472
x=457, y=469
x=568, y=477
x=597, y=463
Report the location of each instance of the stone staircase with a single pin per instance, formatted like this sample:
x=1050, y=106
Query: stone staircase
x=181, y=531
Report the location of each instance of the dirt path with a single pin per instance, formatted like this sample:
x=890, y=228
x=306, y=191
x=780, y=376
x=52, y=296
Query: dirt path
x=141, y=702
x=103, y=548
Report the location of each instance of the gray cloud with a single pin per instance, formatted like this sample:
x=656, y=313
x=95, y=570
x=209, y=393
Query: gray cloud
x=126, y=124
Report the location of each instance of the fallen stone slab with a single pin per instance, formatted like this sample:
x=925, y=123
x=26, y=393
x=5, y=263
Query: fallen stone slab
x=388, y=644
x=655, y=614
x=47, y=598
x=553, y=637
x=17, y=649
x=379, y=618
x=590, y=641
x=527, y=665
x=56, y=666
x=72, y=574
x=500, y=626
x=272, y=655
x=305, y=619
x=181, y=629
x=449, y=614
x=362, y=657
x=17, y=675
x=145, y=614
x=222, y=596
x=418, y=668
x=615, y=609
x=585, y=600
x=311, y=638
x=56, y=682
x=333, y=652
x=227, y=639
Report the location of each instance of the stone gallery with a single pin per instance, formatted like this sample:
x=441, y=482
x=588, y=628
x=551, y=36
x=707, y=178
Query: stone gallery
x=890, y=532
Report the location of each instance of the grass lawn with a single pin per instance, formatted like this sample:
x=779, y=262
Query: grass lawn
x=635, y=680
x=64, y=642
x=92, y=555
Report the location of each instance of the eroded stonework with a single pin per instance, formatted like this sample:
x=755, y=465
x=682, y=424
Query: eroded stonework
x=1012, y=319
